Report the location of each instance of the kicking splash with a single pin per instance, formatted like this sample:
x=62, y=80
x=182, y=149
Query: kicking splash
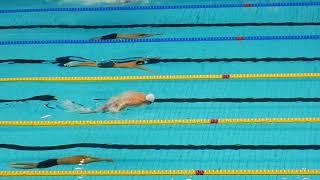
x=74, y=107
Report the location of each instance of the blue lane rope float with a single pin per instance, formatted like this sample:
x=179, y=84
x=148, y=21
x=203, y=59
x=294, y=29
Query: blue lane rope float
x=150, y=40
x=161, y=7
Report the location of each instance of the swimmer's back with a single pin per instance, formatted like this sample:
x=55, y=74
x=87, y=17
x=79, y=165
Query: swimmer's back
x=133, y=98
x=72, y=160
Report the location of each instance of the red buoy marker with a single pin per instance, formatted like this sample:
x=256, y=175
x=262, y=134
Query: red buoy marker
x=225, y=76
x=214, y=121
x=239, y=38
x=199, y=172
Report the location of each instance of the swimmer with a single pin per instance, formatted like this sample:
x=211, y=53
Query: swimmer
x=124, y=36
x=111, y=64
x=115, y=104
x=81, y=159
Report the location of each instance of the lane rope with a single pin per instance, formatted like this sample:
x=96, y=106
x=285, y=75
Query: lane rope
x=157, y=40
x=64, y=26
x=198, y=172
x=161, y=7
x=162, y=77
x=230, y=121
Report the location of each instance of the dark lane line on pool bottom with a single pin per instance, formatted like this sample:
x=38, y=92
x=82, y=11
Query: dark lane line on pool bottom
x=160, y=147
x=236, y=100
x=163, y=25
x=181, y=100
x=60, y=61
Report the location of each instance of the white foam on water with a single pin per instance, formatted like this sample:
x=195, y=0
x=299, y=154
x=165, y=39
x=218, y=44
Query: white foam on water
x=72, y=107
x=46, y=116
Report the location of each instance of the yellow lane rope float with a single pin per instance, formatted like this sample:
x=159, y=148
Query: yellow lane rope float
x=161, y=122
x=162, y=77
x=160, y=172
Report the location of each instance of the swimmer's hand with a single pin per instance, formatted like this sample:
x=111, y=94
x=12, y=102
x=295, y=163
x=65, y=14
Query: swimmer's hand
x=72, y=64
x=110, y=160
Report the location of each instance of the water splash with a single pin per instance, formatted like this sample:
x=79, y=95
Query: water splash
x=73, y=107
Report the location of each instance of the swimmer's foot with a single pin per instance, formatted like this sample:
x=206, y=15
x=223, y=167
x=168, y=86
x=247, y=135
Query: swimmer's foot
x=72, y=64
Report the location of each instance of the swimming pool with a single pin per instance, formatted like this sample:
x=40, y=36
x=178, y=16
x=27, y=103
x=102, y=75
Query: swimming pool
x=177, y=58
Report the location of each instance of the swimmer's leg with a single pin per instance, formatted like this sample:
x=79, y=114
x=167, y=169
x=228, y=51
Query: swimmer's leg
x=78, y=64
x=24, y=165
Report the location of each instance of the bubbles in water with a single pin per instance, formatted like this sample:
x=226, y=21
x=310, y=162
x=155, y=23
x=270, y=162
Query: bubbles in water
x=80, y=168
x=73, y=107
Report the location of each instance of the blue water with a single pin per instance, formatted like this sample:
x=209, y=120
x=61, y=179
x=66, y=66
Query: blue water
x=84, y=93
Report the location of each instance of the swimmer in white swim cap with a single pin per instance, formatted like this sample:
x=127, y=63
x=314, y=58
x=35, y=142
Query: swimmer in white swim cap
x=115, y=104
x=150, y=98
x=130, y=98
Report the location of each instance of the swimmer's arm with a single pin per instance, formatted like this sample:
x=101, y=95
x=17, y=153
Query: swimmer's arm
x=95, y=159
x=132, y=65
x=146, y=59
x=101, y=109
x=145, y=69
x=89, y=112
x=79, y=64
x=97, y=110
x=150, y=35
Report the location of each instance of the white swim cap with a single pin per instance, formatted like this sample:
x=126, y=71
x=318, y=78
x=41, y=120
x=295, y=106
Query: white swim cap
x=150, y=97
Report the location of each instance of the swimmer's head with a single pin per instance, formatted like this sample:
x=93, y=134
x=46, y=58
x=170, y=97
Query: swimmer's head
x=140, y=62
x=150, y=98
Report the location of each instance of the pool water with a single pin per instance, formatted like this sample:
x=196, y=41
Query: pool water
x=86, y=92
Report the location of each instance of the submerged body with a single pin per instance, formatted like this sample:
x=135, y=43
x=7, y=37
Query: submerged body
x=111, y=64
x=123, y=36
x=114, y=104
x=80, y=159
